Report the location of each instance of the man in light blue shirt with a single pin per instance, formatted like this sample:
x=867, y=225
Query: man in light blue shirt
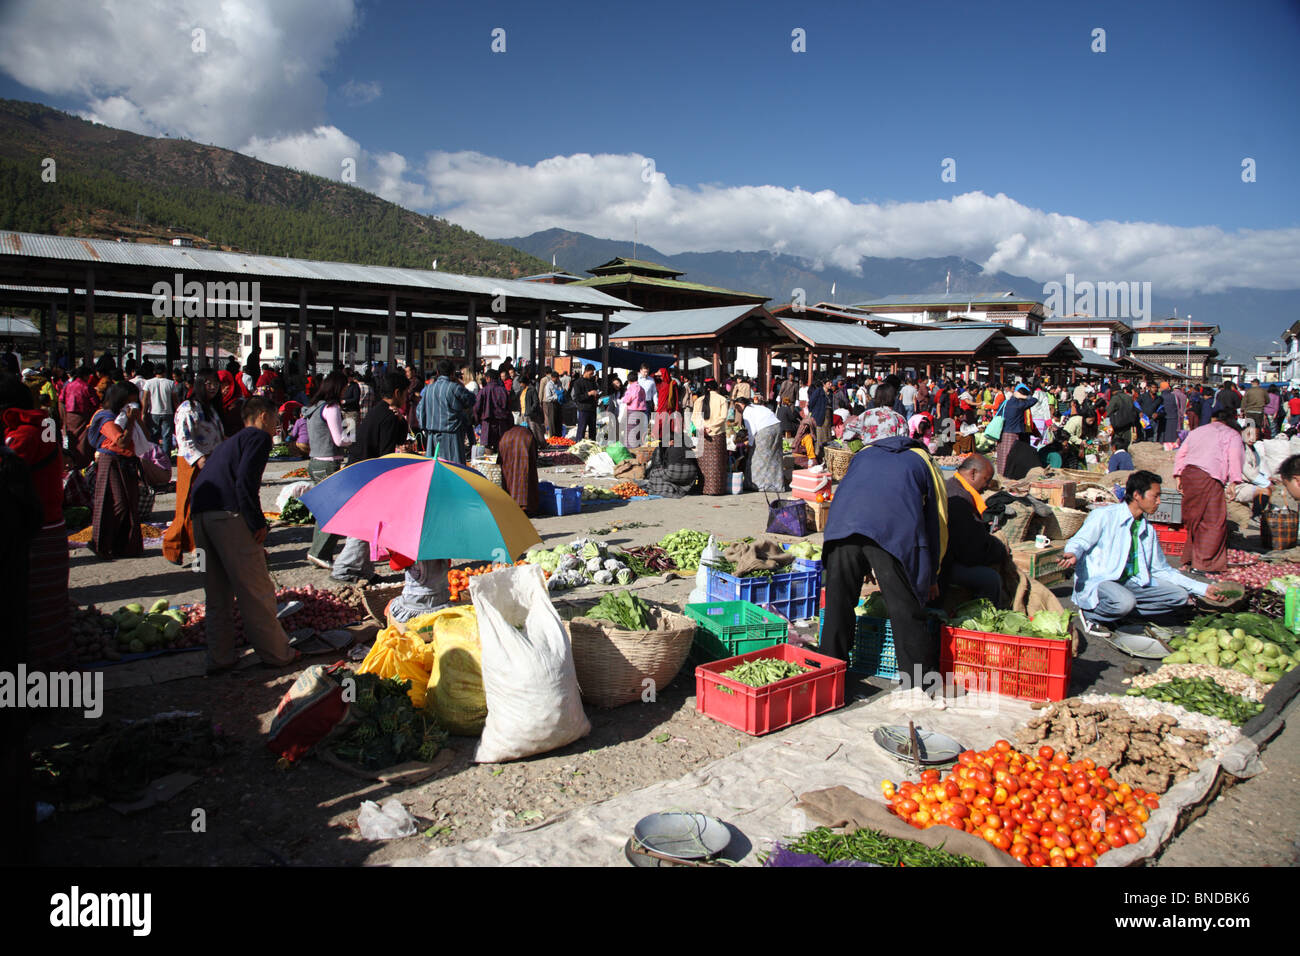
x=1120, y=566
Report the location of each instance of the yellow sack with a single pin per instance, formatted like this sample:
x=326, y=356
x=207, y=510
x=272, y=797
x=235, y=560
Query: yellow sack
x=456, y=694
x=406, y=656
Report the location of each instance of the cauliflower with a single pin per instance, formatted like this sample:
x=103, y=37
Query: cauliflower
x=626, y=576
x=594, y=565
x=613, y=565
x=591, y=551
x=570, y=562
x=603, y=577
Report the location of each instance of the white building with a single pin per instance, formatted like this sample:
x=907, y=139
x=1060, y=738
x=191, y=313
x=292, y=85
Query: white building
x=1002, y=308
x=1109, y=338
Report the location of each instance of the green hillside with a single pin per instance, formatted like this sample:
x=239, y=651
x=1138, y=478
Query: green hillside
x=111, y=183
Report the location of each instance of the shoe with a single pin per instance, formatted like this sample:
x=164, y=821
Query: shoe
x=347, y=579
x=312, y=559
x=1091, y=628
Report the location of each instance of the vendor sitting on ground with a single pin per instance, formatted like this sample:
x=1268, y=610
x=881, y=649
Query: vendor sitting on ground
x=1119, y=565
x=973, y=555
x=425, y=590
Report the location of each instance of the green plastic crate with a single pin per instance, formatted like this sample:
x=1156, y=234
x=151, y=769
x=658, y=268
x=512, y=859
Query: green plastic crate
x=731, y=628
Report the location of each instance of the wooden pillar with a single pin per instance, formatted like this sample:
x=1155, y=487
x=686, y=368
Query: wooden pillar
x=808, y=359
x=471, y=336
x=72, y=335
x=604, y=346
x=139, y=333
x=541, y=339
x=337, y=350
x=764, y=369
x=392, y=329
x=717, y=362
x=90, y=315
x=53, y=312
x=410, y=346
x=302, y=332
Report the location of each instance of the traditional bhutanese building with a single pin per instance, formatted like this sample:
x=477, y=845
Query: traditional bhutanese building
x=932, y=308
x=1180, y=344
x=658, y=288
x=1107, y=337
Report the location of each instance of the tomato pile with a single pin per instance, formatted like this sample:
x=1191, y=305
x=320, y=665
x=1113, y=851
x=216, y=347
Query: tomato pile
x=628, y=489
x=1044, y=810
x=458, y=578
x=560, y=442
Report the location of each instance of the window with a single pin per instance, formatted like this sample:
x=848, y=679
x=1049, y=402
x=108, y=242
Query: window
x=492, y=337
x=270, y=341
x=248, y=339
x=505, y=336
x=456, y=342
x=401, y=347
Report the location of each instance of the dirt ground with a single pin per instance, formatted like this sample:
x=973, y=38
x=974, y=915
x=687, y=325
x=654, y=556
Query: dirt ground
x=259, y=812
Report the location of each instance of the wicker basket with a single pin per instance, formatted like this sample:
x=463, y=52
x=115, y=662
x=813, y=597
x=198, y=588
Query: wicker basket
x=375, y=601
x=613, y=664
x=837, y=461
x=1022, y=526
x=643, y=455
x=1064, y=523
x=490, y=470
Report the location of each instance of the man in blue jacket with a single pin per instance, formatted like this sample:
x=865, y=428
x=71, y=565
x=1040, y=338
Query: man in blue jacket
x=1120, y=566
x=888, y=520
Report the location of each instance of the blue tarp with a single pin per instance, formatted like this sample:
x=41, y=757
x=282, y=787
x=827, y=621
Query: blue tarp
x=626, y=358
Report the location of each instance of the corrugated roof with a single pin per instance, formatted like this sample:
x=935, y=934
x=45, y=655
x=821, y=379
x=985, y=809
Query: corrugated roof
x=957, y=340
x=620, y=262
x=677, y=322
x=1174, y=348
x=1096, y=360
x=836, y=335
x=947, y=299
x=186, y=259
x=1041, y=346
x=13, y=325
x=628, y=278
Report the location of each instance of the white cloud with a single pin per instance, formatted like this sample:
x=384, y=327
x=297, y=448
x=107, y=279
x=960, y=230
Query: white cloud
x=257, y=87
x=361, y=93
x=134, y=61
x=602, y=194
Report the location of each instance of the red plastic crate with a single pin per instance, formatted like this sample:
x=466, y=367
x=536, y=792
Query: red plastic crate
x=1029, y=668
x=761, y=710
x=1172, y=540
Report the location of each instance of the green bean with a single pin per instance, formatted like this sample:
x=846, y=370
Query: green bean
x=872, y=846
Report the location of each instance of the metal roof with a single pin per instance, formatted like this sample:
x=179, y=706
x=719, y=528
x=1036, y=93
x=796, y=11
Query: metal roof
x=13, y=325
x=836, y=335
x=945, y=299
x=627, y=278
x=1093, y=359
x=932, y=343
x=623, y=262
x=1042, y=346
x=678, y=322
x=1153, y=367
x=188, y=259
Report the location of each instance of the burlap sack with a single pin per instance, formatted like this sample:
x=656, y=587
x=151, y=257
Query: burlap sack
x=843, y=809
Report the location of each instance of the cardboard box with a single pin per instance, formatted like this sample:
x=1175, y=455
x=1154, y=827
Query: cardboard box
x=1057, y=492
x=1041, y=564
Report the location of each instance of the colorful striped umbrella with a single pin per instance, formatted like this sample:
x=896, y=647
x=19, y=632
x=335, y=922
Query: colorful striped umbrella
x=422, y=508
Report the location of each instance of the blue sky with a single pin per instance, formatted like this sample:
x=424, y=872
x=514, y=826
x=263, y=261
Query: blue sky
x=1154, y=128
x=1124, y=164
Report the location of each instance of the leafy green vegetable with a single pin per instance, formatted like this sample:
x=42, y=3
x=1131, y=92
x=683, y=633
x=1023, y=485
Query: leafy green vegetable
x=295, y=512
x=624, y=609
x=874, y=606
x=763, y=671
x=388, y=728
x=684, y=547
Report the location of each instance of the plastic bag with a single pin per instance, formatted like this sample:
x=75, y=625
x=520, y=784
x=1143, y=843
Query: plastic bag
x=528, y=675
x=455, y=687
x=388, y=822
x=295, y=490
x=617, y=452
x=404, y=656
x=600, y=465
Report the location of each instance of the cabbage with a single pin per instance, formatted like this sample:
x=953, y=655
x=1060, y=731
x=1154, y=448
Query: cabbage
x=603, y=577
x=626, y=576
x=1051, y=623
x=590, y=552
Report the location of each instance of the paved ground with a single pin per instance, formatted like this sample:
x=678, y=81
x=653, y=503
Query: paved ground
x=259, y=814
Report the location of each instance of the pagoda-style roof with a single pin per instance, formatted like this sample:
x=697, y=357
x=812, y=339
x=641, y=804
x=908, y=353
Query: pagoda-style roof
x=640, y=267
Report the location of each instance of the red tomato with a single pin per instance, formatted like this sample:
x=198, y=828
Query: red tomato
x=1046, y=753
x=1002, y=746
x=1060, y=861
x=1062, y=839
x=1116, y=840
x=929, y=776
x=1131, y=835
x=1037, y=859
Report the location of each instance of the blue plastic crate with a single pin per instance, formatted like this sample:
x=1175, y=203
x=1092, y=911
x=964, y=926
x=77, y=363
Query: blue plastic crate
x=873, y=653
x=803, y=564
x=792, y=595
x=557, y=501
